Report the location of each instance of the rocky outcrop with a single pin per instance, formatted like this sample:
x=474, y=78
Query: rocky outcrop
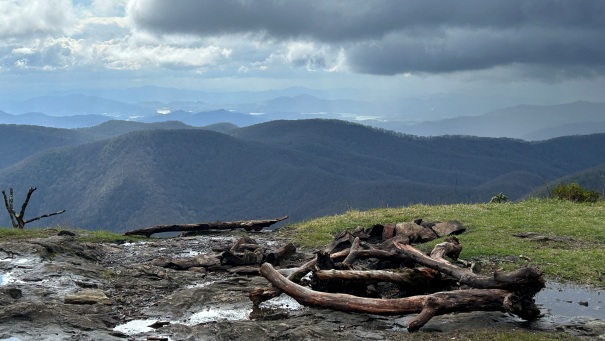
x=60, y=288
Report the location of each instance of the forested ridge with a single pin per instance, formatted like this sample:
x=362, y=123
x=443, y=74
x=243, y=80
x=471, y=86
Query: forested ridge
x=304, y=169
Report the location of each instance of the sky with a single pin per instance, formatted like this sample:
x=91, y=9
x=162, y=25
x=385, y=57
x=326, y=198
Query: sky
x=517, y=51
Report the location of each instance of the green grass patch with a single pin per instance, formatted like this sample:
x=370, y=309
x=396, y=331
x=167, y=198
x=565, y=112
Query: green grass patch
x=578, y=255
x=100, y=236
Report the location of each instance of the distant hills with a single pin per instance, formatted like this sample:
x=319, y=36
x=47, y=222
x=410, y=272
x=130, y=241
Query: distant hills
x=434, y=116
x=70, y=105
x=529, y=122
x=123, y=175
x=591, y=178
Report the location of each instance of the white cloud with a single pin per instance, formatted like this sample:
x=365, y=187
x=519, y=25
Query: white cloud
x=126, y=54
x=46, y=54
x=35, y=17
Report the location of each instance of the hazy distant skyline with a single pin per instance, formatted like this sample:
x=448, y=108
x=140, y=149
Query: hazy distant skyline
x=534, y=52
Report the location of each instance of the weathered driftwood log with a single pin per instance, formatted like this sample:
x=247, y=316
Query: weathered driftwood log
x=341, y=241
x=528, y=279
x=352, y=256
x=407, y=277
x=246, y=258
x=260, y=295
x=451, y=248
x=427, y=305
x=243, y=244
x=275, y=257
x=248, y=225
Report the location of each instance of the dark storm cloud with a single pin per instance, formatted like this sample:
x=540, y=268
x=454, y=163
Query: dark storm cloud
x=391, y=37
x=480, y=49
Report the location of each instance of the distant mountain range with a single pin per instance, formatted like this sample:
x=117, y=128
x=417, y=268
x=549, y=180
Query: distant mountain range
x=415, y=116
x=123, y=175
x=529, y=122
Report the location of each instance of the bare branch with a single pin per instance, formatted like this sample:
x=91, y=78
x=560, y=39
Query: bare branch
x=18, y=220
x=24, y=206
x=43, y=216
x=9, y=207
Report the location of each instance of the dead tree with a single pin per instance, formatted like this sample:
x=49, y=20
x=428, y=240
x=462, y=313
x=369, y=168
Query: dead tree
x=18, y=219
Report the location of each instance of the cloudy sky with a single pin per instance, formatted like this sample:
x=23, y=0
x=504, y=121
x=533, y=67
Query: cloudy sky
x=535, y=51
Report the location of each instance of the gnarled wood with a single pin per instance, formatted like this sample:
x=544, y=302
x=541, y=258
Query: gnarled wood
x=248, y=225
x=451, y=248
x=528, y=279
x=407, y=277
x=275, y=257
x=427, y=305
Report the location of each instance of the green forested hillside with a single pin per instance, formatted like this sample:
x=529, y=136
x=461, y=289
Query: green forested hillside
x=116, y=127
x=305, y=169
x=591, y=179
x=18, y=142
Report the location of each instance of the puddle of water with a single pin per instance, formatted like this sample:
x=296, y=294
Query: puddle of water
x=218, y=314
x=6, y=279
x=135, y=327
x=200, y=285
x=189, y=253
x=282, y=302
x=134, y=243
x=211, y=314
x=565, y=302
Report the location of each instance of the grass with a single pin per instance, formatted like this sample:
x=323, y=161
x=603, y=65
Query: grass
x=578, y=257
x=82, y=235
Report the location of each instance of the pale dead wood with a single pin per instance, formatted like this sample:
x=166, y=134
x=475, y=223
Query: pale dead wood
x=248, y=225
x=428, y=305
x=527, y=279
x=18, y=219
x=408, y=277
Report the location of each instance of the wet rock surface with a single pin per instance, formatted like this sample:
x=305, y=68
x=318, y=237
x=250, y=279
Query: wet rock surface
x=58, y=288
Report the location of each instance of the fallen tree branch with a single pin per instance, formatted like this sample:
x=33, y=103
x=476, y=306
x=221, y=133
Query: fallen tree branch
x=275, y=257
x=427, y=305
x=406, y=277
x=451, y=248
x=248, y=225
x=260, y=295
x=527, y=279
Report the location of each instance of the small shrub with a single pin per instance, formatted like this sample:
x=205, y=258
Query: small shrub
x=499, y=199
x=574, y=192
